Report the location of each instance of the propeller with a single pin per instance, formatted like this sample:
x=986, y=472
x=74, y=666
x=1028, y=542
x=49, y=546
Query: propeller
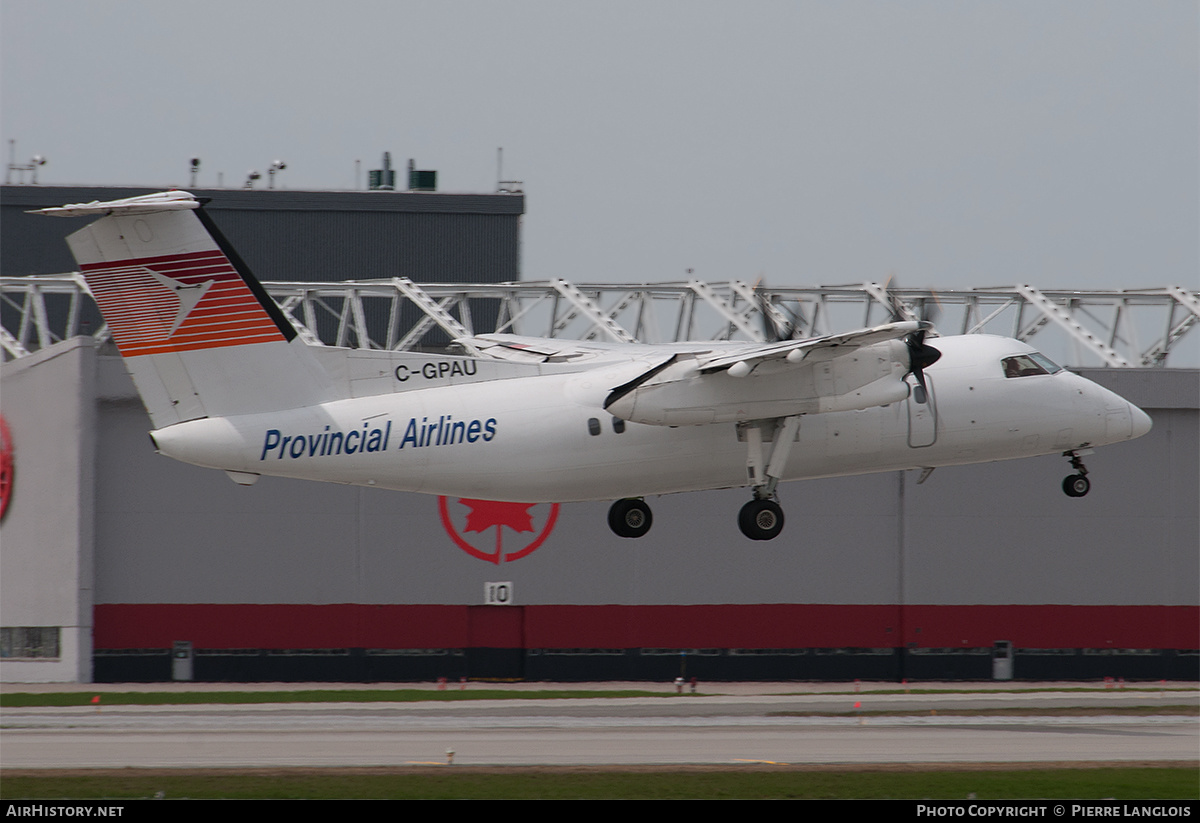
x=772, y=332
x=920, y=357
x=920, y=354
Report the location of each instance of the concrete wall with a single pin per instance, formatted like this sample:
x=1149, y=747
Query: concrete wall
x=48, y=401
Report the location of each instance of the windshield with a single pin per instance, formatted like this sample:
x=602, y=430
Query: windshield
x=1026, y=365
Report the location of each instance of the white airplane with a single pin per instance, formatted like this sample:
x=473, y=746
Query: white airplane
x=229, y=384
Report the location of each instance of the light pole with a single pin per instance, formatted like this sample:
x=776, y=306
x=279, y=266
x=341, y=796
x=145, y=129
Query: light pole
x=278, y=165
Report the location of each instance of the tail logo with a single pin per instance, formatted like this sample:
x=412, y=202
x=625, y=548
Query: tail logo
x=178, y=302
x=188, y=296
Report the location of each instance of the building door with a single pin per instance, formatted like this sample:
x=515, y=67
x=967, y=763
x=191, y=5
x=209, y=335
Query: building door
x=497, y=642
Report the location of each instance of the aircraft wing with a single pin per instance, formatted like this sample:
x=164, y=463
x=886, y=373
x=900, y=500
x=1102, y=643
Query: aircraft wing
x=742, y=362
x=555, y=350
x=695, y=383
x=837, y=372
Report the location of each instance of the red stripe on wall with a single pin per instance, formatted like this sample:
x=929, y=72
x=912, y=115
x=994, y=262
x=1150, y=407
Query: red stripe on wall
x=257, y=626
x=768, y=626
x=1056, y=627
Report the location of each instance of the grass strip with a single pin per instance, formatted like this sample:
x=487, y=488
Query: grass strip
x=1032, y=690
x=707, y=783
x=150, y=698
x=25, y=699
x=1070, y=711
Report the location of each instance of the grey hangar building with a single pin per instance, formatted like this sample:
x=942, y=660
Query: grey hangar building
x=117, y=565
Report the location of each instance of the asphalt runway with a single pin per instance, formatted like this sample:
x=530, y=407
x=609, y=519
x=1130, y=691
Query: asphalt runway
x=720, y=729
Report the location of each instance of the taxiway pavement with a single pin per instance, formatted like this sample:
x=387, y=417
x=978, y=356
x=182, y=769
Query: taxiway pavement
x=751, y=724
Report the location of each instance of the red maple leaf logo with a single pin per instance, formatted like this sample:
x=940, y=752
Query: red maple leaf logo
x=487, y=513
x=6, y=467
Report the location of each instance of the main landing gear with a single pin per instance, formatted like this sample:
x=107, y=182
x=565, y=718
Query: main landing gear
x=1076, y=485
x=630, y=517
x=761, y=519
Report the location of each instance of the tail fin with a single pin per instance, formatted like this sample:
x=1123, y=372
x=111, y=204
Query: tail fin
x=200, y=336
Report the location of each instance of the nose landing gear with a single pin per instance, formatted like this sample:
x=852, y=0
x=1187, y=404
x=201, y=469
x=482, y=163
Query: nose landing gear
x=1076, y=485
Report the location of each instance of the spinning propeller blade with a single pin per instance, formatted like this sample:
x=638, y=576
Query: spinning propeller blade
x=772, y=333
x=920, y=354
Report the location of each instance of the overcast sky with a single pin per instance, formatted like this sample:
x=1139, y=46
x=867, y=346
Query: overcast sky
x=954, y=144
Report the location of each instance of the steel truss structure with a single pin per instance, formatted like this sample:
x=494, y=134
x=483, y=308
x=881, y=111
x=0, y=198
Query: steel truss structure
x=1120, y=329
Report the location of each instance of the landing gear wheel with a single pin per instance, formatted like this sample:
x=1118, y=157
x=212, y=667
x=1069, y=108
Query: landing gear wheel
x=1076, y=485
x=630, y=518
x=761, y=520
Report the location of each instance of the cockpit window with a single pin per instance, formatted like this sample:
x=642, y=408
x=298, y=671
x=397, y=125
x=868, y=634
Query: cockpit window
x=1046, y=363
x=1025, y=365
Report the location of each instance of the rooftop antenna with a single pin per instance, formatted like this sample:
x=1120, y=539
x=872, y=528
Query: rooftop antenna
x=278, y=165
x=21, y=168
x=505, y=186
x=382, y=179
x=251, y=176
x=195, y=166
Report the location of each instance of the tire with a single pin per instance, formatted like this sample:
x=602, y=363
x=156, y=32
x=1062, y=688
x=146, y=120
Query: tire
x=630, y=518
x=1076, y=485
x=761, y=520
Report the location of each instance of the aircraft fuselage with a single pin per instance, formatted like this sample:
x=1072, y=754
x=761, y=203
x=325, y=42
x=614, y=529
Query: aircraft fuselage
x=548, y=438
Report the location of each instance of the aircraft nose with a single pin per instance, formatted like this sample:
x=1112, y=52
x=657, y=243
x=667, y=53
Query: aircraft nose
x=1141, y=421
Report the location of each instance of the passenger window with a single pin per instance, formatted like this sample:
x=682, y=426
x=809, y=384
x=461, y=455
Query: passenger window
x=593, y=426
x=618, y=425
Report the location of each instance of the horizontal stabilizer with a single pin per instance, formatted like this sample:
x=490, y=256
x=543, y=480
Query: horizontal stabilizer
x=142, y=204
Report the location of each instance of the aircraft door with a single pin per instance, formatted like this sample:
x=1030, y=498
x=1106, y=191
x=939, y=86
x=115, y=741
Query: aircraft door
x=922, y=417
